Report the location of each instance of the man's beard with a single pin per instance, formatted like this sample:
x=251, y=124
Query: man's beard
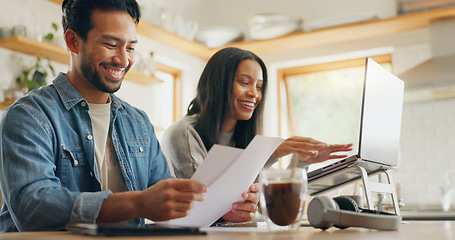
x=94, y=77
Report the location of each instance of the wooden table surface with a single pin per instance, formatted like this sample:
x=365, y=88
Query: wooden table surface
x=428, y=230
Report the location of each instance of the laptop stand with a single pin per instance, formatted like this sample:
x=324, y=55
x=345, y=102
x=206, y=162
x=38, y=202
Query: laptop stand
x=352, y=174
x=370, y=187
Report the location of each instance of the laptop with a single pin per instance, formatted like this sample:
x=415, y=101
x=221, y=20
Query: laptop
x=380, y=127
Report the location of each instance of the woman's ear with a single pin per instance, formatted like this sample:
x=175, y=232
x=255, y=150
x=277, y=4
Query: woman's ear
x=72, y=40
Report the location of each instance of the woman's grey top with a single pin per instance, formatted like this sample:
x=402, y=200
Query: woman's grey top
x=184, y=149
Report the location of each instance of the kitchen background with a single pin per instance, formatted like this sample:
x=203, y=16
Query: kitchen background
x=428, y=134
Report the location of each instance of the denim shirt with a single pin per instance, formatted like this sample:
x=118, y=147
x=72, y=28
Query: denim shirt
x=48, y=172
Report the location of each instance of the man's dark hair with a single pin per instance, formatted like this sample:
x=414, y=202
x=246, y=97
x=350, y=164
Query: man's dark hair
x=214, y=97
x=77, y=14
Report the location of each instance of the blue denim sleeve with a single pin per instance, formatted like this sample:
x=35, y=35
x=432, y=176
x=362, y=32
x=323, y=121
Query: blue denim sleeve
x=87, y=206
x=35, y=199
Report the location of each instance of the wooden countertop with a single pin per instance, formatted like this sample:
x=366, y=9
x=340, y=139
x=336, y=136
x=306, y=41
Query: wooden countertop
x=409, y=230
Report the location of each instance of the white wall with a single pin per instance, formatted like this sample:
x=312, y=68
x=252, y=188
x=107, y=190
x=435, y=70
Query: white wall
x=427, y=151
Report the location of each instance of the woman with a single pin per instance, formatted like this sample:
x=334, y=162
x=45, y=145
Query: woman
x=228, y=110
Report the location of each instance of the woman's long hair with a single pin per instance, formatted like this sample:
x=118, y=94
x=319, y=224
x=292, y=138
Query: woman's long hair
x=214, y=98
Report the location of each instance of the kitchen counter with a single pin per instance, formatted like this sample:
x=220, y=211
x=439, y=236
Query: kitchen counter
x=428, y=215
x=424, y=230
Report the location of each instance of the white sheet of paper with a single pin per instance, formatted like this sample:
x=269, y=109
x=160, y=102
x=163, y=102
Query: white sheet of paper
x=227, y=172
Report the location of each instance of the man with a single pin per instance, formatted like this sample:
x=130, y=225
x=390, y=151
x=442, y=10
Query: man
x=74, y=152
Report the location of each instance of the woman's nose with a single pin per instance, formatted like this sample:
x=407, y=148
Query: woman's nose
x=253, y=92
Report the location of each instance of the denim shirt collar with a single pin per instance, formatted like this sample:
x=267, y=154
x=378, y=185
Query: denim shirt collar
x=71, y=97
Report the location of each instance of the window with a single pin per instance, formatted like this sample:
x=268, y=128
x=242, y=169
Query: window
x=324, y=101
x=173, y=77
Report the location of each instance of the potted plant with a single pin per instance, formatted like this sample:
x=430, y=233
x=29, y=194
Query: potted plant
x=35, y=76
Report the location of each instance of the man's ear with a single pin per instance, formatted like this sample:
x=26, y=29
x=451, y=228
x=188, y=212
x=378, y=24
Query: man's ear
x=72, y=41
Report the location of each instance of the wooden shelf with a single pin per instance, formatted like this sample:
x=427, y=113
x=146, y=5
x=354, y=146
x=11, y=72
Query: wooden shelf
x=32, y=47
x=56, y=1
x=338, y=34
x=4, y=105
x=43, y=50
x=172, y=40
x=349, y=32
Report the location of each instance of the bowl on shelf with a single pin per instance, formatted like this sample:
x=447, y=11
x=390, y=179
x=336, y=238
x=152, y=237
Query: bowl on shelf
x=215, y=37
x=272, y=25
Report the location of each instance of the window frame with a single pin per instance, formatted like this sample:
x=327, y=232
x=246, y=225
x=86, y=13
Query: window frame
x=284, y=73
x=177, y=91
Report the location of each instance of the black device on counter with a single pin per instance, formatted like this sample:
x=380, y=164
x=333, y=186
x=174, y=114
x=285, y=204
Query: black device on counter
x=117, y=229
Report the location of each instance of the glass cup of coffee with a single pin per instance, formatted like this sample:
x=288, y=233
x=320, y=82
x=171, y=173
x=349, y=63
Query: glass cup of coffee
x=282, y=195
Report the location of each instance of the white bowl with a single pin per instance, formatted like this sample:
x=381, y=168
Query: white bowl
x=215, y=37
x=268, y=18
x=272, y=25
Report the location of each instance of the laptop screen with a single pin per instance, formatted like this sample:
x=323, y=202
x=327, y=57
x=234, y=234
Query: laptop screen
x=381, y=115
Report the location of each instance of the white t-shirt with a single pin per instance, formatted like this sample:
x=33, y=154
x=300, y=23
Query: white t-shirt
x=108, y=165
x=225, y=138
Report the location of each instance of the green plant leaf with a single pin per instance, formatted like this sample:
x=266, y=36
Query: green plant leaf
x=52, y=70
x=50, y=66
x=28, y=83
x=49, y=37
x=54, y=26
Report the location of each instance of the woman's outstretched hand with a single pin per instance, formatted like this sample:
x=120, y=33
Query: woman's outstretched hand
x=310, y=150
